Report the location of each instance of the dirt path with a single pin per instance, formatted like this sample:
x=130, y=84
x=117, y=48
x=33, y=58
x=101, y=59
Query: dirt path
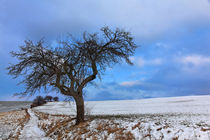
x=31, y=130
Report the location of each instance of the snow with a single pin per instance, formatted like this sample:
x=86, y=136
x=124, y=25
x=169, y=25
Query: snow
x=31, y=129
x=188, y=104
x=11, y=124
x=160, y=118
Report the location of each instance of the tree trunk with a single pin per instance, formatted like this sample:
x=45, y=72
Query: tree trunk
x=80, y=109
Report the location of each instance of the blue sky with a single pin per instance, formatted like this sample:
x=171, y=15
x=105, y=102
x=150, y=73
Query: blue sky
x=174, y=38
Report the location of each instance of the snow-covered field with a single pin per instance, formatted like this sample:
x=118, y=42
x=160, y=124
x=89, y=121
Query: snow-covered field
x=161, y=118
x=187, y=104
x=12, y=123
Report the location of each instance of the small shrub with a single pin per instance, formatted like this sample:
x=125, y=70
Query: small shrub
x=39, y=100
x=56, y=99
x=48, y=98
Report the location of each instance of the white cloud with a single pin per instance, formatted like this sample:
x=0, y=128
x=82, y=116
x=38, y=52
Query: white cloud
x=195, y=64
x=156, y=61
x=140, y=62
x=130, y=83
x=195, y=60
x=162, y=45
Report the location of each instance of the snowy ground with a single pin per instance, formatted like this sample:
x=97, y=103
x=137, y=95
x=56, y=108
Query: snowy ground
x=12, y=123
x=160, y=118
x=140, y=127
x=188, y=104
x=31, y=131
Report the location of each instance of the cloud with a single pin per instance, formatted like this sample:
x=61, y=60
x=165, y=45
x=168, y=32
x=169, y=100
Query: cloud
x=174, y=35
x=195, y=60
x=127, y=90
x=162, y=45
x=141, y=62
x=129, y=83
x=186, y=75
x=146, y=18
x=195, y=63
x=156, y=61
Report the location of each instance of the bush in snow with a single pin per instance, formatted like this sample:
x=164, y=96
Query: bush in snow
x=39, y=100
x=56, y=99
x=48, y=98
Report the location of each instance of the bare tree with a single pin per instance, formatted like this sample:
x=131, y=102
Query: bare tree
x=72, y=64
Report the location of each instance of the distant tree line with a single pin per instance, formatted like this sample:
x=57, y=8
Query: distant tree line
x=39, y=100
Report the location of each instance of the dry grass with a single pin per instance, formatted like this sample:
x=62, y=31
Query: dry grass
x=57, y=126
x=175, y=138
x=14, y=121
x=23, y=121
x=120, y=127
x=102, y=130
x=54, y=124
x=136, y=126
x=62, y=126
x=205, y=129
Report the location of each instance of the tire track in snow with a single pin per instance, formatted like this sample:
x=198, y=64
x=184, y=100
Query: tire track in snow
x=31, y=131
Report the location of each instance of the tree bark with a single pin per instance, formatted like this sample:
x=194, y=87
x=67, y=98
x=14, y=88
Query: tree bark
x=80, y=109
